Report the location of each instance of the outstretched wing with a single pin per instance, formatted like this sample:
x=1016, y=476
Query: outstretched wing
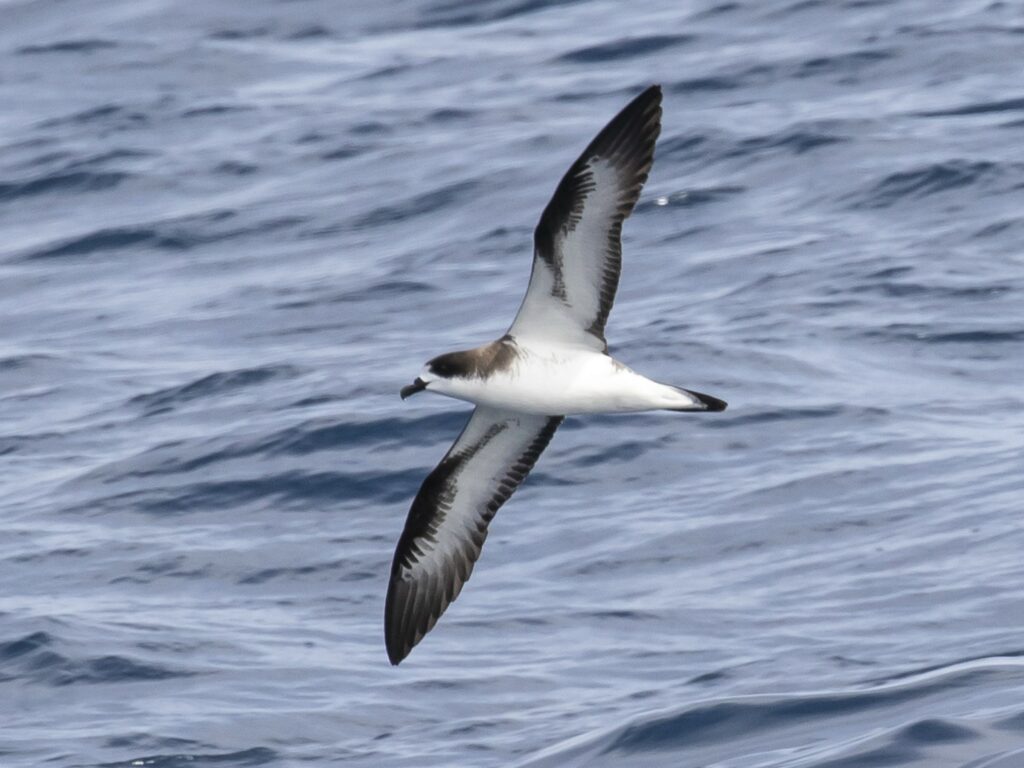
x=447, y=523
x=577, y=244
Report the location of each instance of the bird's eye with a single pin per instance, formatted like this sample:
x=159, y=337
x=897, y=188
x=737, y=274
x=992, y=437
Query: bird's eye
x=440, y=367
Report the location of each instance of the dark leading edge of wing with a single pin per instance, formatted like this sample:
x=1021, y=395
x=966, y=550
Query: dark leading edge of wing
x=447, y=524
x=627, y=144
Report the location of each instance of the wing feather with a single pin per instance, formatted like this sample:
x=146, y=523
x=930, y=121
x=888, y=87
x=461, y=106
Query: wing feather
x=447, y=523
x=578, y=241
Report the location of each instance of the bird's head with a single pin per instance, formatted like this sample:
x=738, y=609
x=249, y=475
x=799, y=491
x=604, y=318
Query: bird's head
x=438, y=374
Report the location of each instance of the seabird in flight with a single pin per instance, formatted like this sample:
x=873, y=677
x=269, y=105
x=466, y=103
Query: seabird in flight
x=553, y=361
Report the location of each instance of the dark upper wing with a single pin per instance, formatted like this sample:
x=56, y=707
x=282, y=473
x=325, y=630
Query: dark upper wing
x=577, y=244
x=447, y=523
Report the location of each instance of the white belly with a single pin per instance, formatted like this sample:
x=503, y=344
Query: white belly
x=563, y=382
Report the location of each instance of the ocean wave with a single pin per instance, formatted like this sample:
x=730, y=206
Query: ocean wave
x=625, y=48
x=416, y=205
x=34, y=657
x=85, y=45
x=804, y=730
x=68, y=182
x=210, y=385
x=178, y=234
x=454, y=13
x=199, y=758
x=282, y=490
x=978, y=108
x=931, y=179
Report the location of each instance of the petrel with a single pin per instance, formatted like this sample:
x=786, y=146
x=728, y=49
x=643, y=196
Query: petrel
x=553, y=361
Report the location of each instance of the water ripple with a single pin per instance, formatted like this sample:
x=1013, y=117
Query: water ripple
x=211, y=385
x=86, y=45
x=33, y=657
x=929, y=180
x=627, y=48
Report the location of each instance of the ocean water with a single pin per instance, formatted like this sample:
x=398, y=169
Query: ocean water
x=232, y=230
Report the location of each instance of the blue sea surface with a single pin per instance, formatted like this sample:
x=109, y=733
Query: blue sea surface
x=231, y=231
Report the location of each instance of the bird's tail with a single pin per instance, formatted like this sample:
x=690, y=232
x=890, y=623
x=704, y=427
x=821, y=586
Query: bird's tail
x=699, y=402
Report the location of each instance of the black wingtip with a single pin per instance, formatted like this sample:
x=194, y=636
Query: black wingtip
x=651, y=93
x=397, y=650
x=648, y=98
x=395, y=641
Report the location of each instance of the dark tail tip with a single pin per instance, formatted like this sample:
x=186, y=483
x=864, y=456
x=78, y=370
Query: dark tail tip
x=712, y=403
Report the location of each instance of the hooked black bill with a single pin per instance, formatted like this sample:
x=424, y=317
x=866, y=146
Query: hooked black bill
x=417, y=386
